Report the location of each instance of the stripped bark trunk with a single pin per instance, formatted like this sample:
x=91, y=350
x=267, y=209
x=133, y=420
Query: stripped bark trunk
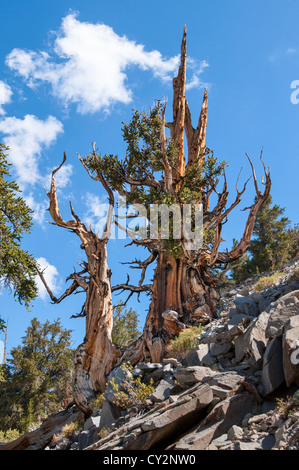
x=97, y=355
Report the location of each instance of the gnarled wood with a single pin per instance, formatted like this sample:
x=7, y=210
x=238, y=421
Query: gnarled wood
x=97, y=355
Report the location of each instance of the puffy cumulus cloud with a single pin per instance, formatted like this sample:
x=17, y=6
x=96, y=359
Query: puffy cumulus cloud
x=27, y=138
x=88, y=65
x=5, y=96
x=197, y=69
x=39, y=207
x=96, y=213
x=51, y=276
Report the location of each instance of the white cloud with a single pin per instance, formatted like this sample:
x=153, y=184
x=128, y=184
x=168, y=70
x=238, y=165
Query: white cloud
x=39, y=208
x=62, y=177
x=5, y=96
x=27, y=138
x=88, y=65
x=95, y=216
x=51, y=276
x=198, y=69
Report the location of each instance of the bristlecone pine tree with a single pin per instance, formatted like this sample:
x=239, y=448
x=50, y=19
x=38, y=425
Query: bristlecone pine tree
x=156, y=170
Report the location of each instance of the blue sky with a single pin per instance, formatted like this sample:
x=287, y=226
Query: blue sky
x=71, y=72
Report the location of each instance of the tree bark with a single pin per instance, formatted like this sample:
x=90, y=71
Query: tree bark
x=97, y=355
x=182, y=296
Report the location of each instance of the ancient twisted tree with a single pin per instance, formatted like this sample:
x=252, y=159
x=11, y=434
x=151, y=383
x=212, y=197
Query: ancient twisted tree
x=156, y=170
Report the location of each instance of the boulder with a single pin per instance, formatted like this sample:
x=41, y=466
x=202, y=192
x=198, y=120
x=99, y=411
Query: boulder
x=172, y=421
x=163, y=389
x=92, y=422
x=110, y=413
x=235, y=433
x=253, y=340
x=280, y=312
x=199, y=356
x=272, y=372
x=290, y=349
x=117, y=377
x=189, y=376
x=223, y=416
x=247, y=306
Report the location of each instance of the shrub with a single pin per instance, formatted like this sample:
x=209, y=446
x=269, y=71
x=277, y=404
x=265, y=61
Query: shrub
x=69, y=429
x=132, y=392
x=187, y=339
x=9, y=435
x=288, y=406
x=294, y=276
x=98, y=401
x=266, y=282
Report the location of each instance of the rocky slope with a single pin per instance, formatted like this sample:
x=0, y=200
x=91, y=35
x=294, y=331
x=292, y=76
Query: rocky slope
x=238, y=389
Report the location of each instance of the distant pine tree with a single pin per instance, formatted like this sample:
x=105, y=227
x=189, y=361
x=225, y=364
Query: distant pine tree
x=17, y=270
x=125, y=326
x=37, y=376
x=274, y=243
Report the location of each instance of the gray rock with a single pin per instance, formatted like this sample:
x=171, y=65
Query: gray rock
x=118, y=376
x=172, y=420
x=162, y=392
x=110, y=413
x=149, y=366
x=247, y=446
x=86, y=438
x=253, y=340
x=267, y=442
x=189, y=376
x=92, y=422
x=235, y=433
x=280, y=312
x=234, y=319
x=272, y=373
x=225, y=414
x=247, y=306
x=172, y=361
x=290, y=347
x=227, y=380
x=218, y=349
x=199, y=356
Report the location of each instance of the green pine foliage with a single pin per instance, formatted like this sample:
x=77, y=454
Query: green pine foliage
x=274, y=243
x=37, y=377
x=125, y=326
x=143, y=163
x=17, y=270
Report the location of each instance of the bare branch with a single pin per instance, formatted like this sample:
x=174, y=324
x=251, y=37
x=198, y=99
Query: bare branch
x=54, y=206
x=241, y=247
x=54, y=299
x=196, y=138
x=136, y=289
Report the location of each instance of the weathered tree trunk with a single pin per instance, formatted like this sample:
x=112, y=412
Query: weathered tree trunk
x=97, y=355
x=182, y=289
